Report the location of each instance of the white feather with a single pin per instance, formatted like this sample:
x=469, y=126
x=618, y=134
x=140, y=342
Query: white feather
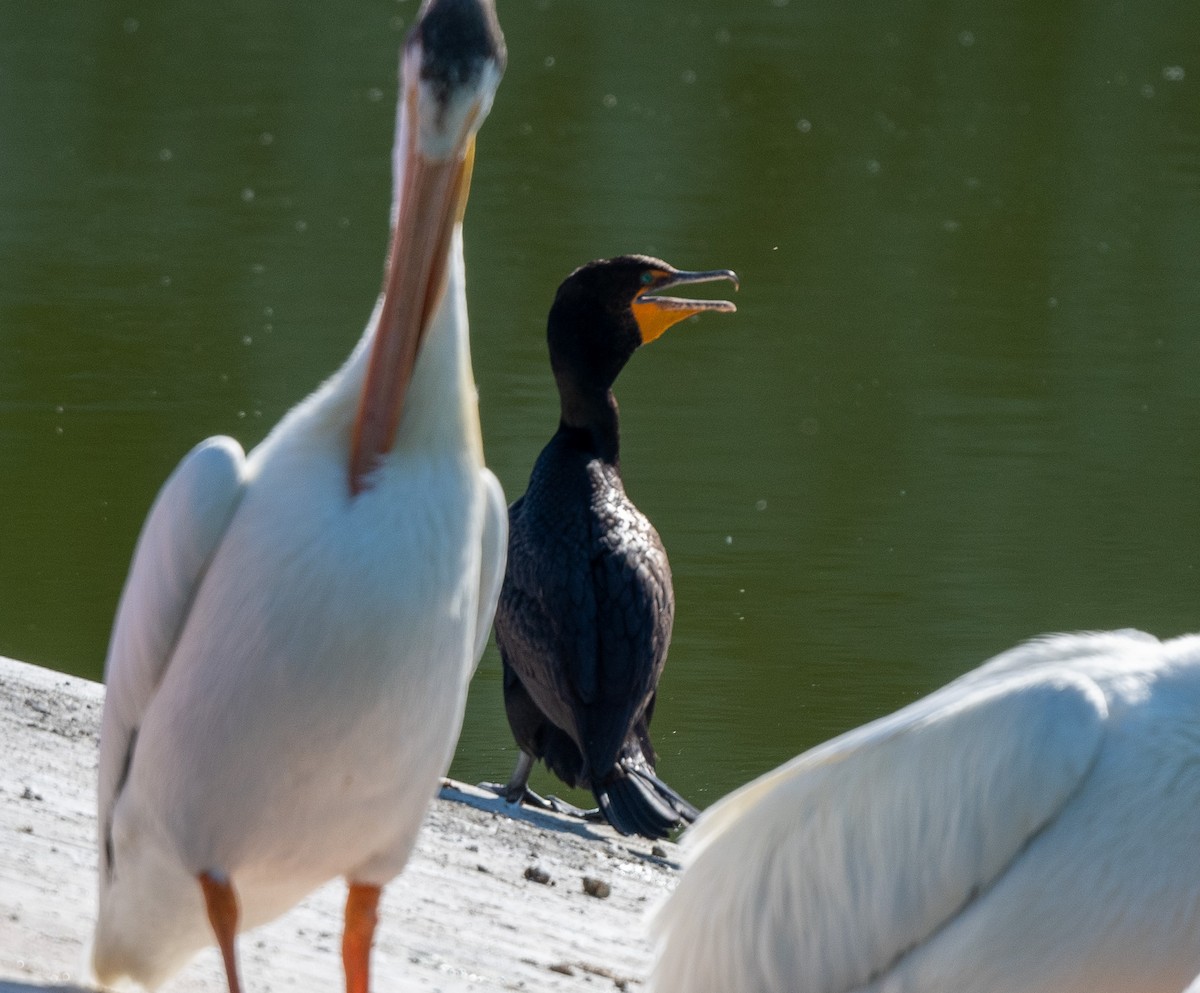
x=495, y=554
x=1031, y=826
x=290, y=664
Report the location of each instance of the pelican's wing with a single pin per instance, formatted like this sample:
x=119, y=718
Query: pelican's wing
x=821, y=874
x=1075, y=649
x=181, y=533
x=491, y=563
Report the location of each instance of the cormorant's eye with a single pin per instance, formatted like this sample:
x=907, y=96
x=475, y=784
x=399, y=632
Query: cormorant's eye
x=647, y=278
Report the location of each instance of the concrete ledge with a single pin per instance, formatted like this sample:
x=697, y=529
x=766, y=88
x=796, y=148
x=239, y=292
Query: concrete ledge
x=463, y=916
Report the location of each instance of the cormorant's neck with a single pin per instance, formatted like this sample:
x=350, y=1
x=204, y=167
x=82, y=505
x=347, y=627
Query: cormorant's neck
x=591, y=417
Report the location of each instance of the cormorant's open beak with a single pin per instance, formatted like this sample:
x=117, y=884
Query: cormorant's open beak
x=654, y=314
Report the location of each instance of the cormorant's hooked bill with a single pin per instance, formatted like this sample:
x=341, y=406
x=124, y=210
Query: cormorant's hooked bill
x=654, y=313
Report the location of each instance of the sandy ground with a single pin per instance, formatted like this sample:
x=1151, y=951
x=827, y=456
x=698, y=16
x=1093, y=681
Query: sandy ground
x=465, y=915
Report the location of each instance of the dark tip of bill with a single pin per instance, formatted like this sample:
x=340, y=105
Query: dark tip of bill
x=457, y=37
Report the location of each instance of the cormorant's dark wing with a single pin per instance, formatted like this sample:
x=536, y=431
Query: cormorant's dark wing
x=583, y=627
x=546, y=618
x=631, y=581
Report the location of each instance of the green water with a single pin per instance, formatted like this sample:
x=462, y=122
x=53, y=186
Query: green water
x=959, y=405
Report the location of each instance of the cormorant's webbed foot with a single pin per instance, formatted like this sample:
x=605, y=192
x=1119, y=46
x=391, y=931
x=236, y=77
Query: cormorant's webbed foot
x=519, y=793
x=517, y=790
x=561, y=806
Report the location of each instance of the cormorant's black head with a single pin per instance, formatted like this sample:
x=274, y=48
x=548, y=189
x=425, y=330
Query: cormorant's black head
x=606, y=309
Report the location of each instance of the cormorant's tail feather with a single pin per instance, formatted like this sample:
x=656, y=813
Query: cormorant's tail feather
x=634, y=800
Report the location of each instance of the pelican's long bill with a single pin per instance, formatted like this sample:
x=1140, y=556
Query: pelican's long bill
x=654, y=314
x=433, y=198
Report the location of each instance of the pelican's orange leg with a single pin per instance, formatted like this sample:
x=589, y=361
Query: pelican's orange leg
x=362, y=903
x=222, y=904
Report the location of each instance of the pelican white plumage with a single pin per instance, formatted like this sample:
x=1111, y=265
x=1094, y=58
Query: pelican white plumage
x=290, y=658
x=1032, y=826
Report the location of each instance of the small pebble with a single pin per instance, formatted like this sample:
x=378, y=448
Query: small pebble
x=536, y=874
x=596, y=887
x=658, y=852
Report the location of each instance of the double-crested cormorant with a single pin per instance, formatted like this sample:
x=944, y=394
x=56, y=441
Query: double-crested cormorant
x=1030, y=827
x=585, y=613
x=290, y=658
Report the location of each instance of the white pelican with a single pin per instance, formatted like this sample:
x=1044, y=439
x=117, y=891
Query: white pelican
x=1032, y=826
x=290, y=658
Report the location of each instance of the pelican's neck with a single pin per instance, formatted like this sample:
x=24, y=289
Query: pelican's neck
x=441, y=407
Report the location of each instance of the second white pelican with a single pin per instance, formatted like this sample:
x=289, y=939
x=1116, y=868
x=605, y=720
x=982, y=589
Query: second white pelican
x=289, y=664
x=1030, y=828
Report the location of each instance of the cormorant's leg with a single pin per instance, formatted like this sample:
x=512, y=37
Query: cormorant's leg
x=221, y=902
x=518, y=782
x=515, y=790
x=362, y=903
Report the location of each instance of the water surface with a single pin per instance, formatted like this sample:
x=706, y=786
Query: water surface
x=958, y=405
